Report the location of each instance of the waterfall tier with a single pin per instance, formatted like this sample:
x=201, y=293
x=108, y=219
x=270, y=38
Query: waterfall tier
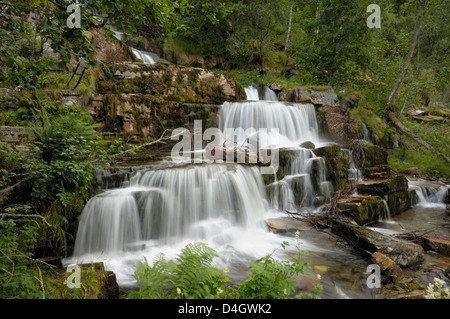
x=171, y=204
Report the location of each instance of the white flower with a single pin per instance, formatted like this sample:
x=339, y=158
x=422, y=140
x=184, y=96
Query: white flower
x=179, y=291
x=219, y=291
x=225, y=271
x=319, y=276
x=297, y=234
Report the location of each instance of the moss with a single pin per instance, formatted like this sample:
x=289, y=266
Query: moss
x=95, y=283
x=363, y=209
x=336, y=165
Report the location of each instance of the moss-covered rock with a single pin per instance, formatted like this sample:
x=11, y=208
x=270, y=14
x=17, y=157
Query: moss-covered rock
x=336, y=165
x=362, y=209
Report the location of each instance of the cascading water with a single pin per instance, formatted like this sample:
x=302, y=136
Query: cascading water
x=429, y=196
x=162, y=208
x=296, y=123
x=145, y=57
x=257, y=92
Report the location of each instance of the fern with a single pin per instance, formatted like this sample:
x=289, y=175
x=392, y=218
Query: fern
x=190, y=276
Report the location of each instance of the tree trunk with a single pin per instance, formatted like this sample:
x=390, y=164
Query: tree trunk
x=408, y=58
x=389, y=105
x=286, y=43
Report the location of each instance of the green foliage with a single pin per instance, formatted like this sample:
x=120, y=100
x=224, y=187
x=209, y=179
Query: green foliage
x=332, y=49
x=191, y=276
x=272, y=278
x=18, y=235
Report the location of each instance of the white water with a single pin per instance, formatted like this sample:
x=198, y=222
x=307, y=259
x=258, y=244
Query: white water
x=296, y=123
x=145, y=57
x=428, y=196
x=162, y=210
x=257, y=93
x=224, y=206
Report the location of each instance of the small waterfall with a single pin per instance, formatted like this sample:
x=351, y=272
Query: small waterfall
x=354, y=173
x=295, y=123
x=258, y=92
x=304, y=176
x=145, y=57
x=387, y=211
x=366, y=133
x=430, y=196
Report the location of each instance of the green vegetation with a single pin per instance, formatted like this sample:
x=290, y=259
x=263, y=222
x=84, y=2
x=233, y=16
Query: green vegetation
x=315, y=43
x=193, y=276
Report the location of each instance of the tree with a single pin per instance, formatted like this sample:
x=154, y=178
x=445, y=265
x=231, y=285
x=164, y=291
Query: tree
x=335, y=35
x=389, y=103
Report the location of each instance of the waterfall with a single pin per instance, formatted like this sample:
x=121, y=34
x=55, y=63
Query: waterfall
x=145, y=57
x=304, y=173
x=258, y=92
x=366, y=133
x=296, y=123
x=170, y=205
x=160, y=209
x=430, y=196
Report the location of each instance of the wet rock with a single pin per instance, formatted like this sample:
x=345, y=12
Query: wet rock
x=402, y=252
x=336, y=165
x=373, y=187
x=439, y=245
x=377, y=172
x=374, y=155
x=362, y=209
x=387, y=265
x=309, y=145
x=286, y=224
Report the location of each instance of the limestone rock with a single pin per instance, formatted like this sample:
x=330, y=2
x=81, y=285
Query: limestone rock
x=336, y=165
x=283, y=225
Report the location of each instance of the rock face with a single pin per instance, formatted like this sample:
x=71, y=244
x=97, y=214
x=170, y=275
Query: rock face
x=316, y=95
x=139, y=101
x=336, y=123
x=336, y=164
x=13, y=134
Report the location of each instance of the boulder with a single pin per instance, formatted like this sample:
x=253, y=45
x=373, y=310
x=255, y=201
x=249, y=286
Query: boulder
x=362, y=209
x=404, y=253
x=336, y=123
x=308, y=145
